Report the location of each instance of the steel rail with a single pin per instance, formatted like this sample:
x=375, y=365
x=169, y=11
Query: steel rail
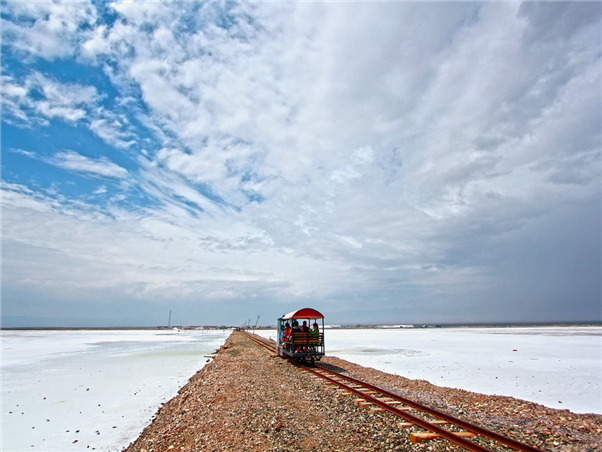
x=469, y=445
x=446, y=417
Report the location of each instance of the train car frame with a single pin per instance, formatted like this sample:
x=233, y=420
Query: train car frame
x=301, y=345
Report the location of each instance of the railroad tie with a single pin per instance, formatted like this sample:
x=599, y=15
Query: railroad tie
x=363, y=403
x=390, y=401
x=411, y=424
x=368, y=391
x=428, y=436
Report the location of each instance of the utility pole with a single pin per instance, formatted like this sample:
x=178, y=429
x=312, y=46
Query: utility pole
x=257, y=321
x=169, y=321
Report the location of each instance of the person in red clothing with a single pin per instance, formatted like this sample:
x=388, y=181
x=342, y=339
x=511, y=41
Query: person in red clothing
x=286, y=335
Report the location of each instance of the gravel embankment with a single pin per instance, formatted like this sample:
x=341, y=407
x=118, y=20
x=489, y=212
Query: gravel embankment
x=249, y=399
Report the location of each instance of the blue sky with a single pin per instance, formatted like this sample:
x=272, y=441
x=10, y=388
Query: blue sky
x=381, y=162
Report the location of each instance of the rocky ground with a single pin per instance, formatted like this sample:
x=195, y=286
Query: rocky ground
x=249, y=399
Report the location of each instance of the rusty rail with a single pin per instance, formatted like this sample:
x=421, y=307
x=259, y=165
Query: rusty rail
x=336, y=378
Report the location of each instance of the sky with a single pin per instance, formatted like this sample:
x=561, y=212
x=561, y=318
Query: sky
x=388, y=162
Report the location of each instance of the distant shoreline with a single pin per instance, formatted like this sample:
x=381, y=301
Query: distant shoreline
x=337, y=327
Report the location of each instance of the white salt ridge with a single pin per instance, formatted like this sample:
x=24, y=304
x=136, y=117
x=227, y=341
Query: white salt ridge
x=559, y=367
x=67, y=390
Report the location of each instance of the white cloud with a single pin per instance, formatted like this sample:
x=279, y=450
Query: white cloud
x=13, y=194
x=39, y=98
x=15, y=99
x=96, y=44
x=313, y=103
x=66, y=101
x=73, y=161
x=334, y=149
x=46, y=29
x=23, y=152
x=172, y=190
x=111, y=130
x=150, y=255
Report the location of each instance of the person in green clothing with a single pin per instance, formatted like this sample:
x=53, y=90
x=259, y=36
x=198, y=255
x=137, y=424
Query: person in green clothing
x=314, y=335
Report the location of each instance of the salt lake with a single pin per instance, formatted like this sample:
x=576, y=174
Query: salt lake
x=97, y=390
x=559, y=367
x=92, y=390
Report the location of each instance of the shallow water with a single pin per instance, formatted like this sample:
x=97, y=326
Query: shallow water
x=92, y=390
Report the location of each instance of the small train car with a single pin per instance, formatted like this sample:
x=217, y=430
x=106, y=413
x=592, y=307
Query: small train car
x=293, y=342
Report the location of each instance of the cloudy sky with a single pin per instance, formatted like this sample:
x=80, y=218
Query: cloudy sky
x=381, y=162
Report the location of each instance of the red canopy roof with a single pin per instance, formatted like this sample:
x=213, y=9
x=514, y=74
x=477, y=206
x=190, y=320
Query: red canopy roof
x=305, y=313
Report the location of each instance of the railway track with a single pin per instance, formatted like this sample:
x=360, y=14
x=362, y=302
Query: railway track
x=436, y=423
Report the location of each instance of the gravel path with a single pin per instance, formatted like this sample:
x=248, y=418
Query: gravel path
x=249, y=399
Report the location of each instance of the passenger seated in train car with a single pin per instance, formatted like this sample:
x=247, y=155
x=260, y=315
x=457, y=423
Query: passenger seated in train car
x=286, y=335
x=287, y=331
x=296, y=329
x=315, y=336
x=305, y=328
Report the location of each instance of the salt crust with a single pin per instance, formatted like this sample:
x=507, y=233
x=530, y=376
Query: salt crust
x=249, y=399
